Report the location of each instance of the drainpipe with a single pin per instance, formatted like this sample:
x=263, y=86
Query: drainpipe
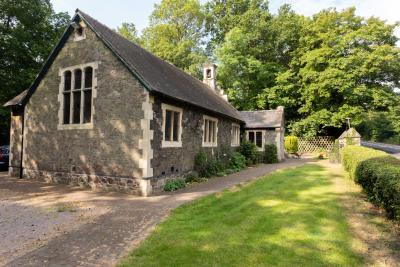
x=21, y=171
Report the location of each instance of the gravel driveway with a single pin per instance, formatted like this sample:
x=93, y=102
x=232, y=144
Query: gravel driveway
x=55, y=225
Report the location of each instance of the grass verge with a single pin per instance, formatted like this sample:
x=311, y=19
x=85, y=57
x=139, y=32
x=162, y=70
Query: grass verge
x=289, y=218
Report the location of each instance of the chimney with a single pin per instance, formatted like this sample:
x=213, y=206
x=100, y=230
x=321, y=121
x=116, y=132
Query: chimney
x=209, y=78
x=209, y=75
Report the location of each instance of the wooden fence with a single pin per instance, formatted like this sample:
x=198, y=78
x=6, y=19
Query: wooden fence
x=316, y=144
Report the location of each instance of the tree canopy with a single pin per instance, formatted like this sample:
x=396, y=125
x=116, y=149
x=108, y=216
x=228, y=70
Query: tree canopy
x=344, y=66
x=29, y=29
x=175, y=34
x=129, y=31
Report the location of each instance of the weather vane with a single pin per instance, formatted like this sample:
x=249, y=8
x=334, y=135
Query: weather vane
x=348, y=123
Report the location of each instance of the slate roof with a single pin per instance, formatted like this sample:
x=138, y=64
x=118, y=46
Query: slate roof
x=263, y=118
x=352, y=133
x=155, y=74
x=16, y=100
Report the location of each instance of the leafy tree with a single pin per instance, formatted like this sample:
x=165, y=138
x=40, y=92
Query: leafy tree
x=224, y=15
x=28, y=31
x=255, y=52
x=175, y=34
x=129, y=31
x=344, y=66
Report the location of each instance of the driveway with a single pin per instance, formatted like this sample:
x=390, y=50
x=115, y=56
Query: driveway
x=389, y=148
x=55, y=225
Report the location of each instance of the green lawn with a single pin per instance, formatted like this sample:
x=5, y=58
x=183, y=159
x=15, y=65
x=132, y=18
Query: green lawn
x=289, y=218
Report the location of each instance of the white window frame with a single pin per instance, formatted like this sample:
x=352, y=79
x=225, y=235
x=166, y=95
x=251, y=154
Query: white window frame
x=210, y=144
x=235, y=135
x=165, y=143
x=255, y=138
x=80, y=126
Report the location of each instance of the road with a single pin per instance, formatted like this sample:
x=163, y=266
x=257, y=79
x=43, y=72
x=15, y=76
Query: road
x=391, y=149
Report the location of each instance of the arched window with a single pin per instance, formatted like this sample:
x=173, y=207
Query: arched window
x=78, y=79
x=87, y=95
x=77, y=95
x=88, y=77
x=67, y=97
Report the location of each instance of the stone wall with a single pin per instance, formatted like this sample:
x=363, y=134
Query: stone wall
x=128, y=185
x=174, y=161
x=111, y=147
x=15, y=142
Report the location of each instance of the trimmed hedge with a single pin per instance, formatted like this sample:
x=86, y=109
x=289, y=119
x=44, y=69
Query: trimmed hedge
x=379, y=175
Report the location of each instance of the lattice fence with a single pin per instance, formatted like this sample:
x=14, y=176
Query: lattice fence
x=315, y=144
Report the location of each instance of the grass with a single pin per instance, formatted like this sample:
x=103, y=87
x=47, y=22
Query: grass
x=288, y=218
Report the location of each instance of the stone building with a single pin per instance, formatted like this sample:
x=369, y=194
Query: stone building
x=106, y=113
x=265, y=127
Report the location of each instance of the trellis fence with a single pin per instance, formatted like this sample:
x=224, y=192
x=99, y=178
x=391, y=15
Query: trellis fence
x=316, y=144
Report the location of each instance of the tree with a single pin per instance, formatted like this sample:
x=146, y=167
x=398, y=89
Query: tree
x=224, y=15
x=28, y=31
x=175, y=34
x=255, y=51
x=129, y=31
x=345, y=65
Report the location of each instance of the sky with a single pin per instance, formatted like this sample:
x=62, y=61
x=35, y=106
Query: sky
x=114, y=12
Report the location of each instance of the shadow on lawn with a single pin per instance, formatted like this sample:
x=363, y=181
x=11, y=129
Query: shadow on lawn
x=291, y=217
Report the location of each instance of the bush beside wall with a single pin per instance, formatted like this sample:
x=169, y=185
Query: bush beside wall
x=379, y=175
x=270, y=154
x=291, y=144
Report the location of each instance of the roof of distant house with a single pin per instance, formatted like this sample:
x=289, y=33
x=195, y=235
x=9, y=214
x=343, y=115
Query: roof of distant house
x=263, y=118
x=155, y=74
x=350, y=133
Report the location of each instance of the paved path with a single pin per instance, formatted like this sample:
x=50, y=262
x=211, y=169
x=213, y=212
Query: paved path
x=389, y=148
x=129, y=220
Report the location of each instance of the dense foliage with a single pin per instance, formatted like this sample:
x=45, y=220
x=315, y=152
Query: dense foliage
x=270, y=154
x=344, y=66
x=28, y=31
x=249, y=151
x=175, y=34
x=173, y=185
x=291, y=144
x=378, y=174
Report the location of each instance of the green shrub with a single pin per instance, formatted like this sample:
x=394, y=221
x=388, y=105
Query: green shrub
x=192, y=177
x=270, y=153
x=213, y=167
x=173, y=185
x=207, y=167
x=237, y=162
x=379, y=175
x=352, y=156
x=225, y=154
x=200, y=163
x=249, y=151
x=291, y=144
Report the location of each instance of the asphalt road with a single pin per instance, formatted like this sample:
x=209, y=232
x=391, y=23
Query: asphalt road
x=391, y=149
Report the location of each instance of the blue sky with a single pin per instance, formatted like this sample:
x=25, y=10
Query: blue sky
x=114, y=12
